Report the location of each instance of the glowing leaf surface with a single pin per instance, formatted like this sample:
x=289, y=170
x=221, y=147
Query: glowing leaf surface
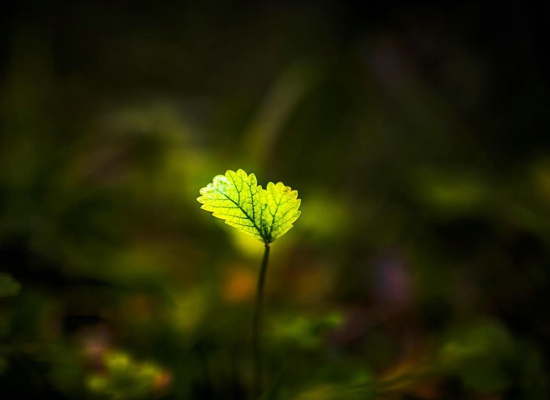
x=236, y=197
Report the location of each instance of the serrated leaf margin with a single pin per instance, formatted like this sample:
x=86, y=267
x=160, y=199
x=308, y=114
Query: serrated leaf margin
x=230, y=191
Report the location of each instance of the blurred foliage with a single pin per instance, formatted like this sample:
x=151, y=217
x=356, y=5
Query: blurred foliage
x=8, y=285
x=481, y=356
x=328, y=392
x=300, y=331
x=123, y=378
x=414, y=133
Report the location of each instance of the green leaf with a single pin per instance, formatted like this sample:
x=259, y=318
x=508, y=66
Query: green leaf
x=236, y=197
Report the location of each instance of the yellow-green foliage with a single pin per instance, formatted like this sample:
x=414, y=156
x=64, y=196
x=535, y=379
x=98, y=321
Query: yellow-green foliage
x=236, y=197
x=124, y=378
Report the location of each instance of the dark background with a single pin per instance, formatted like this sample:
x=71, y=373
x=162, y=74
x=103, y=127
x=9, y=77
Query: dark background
x=415, y=134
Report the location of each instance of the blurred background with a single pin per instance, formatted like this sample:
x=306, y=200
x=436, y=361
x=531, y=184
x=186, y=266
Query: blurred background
x=415, y=134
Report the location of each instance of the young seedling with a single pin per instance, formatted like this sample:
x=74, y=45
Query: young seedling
x=267, y=214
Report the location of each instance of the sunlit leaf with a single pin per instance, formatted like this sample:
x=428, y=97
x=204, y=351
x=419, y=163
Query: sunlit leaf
x=236, y=197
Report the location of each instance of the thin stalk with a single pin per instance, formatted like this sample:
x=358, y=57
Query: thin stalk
x=256, y=329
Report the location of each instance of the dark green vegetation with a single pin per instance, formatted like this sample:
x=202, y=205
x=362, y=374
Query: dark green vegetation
x=415, y=135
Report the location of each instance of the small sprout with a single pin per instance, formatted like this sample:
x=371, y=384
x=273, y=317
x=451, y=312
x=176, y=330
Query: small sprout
x=267, y=214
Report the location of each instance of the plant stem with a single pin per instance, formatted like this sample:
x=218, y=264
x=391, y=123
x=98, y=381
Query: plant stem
x=256, y=328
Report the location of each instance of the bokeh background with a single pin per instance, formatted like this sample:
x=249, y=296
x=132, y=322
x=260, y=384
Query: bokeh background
x=416, y=135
